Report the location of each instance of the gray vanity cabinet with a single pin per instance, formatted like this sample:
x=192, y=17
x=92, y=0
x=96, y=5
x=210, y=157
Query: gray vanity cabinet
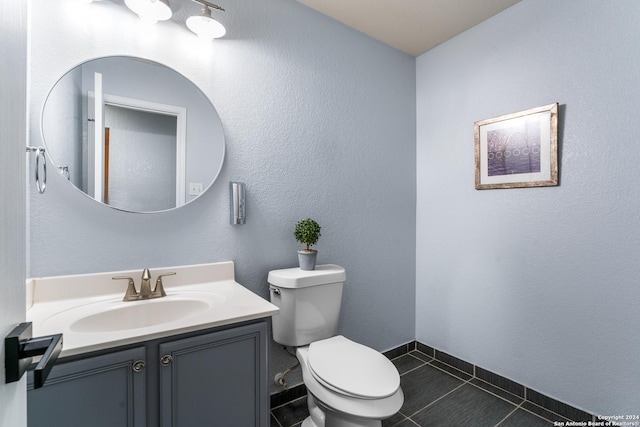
x=215, y=377
x=107, y=390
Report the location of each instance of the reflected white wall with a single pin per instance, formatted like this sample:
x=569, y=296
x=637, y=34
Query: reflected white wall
x=142, y=159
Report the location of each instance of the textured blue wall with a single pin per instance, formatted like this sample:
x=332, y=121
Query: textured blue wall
x=319, y=122
x=539, y=285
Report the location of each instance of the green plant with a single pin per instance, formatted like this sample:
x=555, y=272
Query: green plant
x=307, y=232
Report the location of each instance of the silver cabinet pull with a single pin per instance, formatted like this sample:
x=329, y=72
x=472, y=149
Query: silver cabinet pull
x=138, y=365
x=166, y=360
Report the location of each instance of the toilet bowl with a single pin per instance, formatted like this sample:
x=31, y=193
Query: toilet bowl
x=348, y=384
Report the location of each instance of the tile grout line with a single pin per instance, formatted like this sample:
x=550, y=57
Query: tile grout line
x=560, y=417
x=412, y=355
x=417, y=358
x=447, y=372
x=413, y=422
x=508, y=415
x=526, y=390
x=273, y=417
x=438, y=399
x=520, y=407
x=287, y=403
x=425, y=354
x=412, y=369
x=522, y=399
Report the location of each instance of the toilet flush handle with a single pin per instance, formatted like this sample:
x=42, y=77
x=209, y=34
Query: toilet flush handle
x=274, y=290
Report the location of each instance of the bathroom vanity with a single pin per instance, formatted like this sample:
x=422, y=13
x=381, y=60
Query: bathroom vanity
x=205, y=365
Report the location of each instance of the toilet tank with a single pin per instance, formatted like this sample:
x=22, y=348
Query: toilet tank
x=309, y=303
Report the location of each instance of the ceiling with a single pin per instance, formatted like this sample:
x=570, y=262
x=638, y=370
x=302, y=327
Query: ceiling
x=413, y=26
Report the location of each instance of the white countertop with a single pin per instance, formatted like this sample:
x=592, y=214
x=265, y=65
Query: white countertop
x=55, y=303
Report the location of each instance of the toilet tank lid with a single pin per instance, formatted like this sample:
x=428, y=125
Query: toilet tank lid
x=297, y=278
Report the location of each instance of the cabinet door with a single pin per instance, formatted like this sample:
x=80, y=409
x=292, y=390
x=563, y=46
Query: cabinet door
x=216, y=379
x=107, y=390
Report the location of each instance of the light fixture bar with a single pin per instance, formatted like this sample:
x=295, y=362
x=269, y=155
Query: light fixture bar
x=211, y=5
x=203, y=25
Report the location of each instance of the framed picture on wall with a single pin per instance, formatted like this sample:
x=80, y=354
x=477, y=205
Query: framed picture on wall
x=518, y=150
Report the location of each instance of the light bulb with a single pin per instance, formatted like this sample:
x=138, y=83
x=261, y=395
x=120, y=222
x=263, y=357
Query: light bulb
x=150, y=10
x=205, y=26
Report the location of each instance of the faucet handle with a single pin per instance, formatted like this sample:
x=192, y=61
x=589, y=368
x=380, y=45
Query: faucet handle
x=159, y=289
x=131, y=294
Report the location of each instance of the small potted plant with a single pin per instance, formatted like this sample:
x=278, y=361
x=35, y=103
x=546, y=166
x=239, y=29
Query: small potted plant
x=307, y=232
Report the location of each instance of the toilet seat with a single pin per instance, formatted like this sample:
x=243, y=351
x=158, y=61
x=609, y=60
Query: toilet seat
x=352, y=369
x=331, y=401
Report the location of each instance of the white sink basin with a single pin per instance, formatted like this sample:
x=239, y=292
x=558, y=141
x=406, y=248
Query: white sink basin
x=115, y=315
x=155, y=312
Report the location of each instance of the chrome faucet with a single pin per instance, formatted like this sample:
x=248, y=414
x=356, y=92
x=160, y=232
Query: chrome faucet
x=145, y=287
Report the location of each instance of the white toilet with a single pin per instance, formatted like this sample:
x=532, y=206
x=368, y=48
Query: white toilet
x=348, y=384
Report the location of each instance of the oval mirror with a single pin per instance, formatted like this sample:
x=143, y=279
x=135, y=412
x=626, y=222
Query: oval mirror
x=133, y=134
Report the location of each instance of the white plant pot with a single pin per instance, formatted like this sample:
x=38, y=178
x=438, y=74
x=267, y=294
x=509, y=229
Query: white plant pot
x=307, y=259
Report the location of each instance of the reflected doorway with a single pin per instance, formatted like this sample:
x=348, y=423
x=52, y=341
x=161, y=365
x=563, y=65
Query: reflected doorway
x=139, y=159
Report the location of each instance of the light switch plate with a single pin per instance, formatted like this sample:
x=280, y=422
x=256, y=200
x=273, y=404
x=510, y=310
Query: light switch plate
x=195, y=188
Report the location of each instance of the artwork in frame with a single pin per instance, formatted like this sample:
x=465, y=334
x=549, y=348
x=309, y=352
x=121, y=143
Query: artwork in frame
x=518, y=150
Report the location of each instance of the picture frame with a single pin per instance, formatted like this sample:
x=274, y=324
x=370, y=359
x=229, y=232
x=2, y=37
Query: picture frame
x=518, y=150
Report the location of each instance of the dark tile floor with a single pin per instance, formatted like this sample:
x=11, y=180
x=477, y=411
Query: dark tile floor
x=436, y=394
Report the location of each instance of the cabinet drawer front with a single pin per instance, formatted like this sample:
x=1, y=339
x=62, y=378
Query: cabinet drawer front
x=97, y=391
x=217, y=379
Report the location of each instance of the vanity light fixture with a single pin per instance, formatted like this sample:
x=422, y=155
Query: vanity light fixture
x=204, y=25
x=150, y=11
